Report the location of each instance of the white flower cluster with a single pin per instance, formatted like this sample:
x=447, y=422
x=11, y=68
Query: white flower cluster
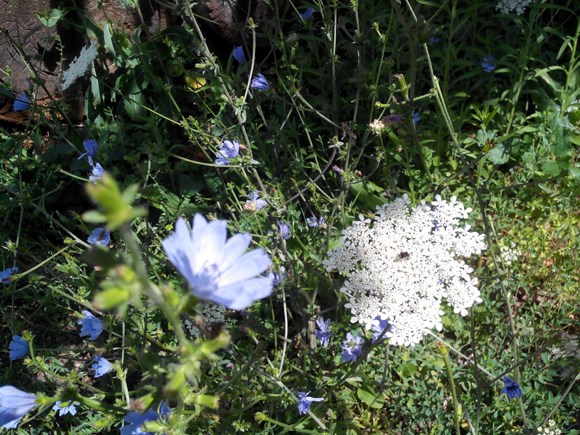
x=80, y=65
x=209, y=314
x=509, y=6
x=550, y=429
x=509, y=254
x=377, y=126
x=401, y=265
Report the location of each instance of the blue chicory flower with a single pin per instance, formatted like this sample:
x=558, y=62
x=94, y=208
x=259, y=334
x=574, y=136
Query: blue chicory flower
x=14, y=404
x=304, y=402
x=99, y=236
x=284, y=230
x=239, y=54
x=19, y=347
x=64, y=408
x=434, y=39
x=378, y=329
x=218, y=270
x=312, y=222
x=488, y=63
x=351, y=347
x=90, y=325
x=277, y=277
x=255, y=203
x=91, y=148
x=22, y=102
x=101, y=366
x=260, y=82
x=97, y=173
x=323, y=331
x=227, y=151
x=6, y=275
x=511, y=388
x=307, y=14
x=416, y=116
x=136, y=419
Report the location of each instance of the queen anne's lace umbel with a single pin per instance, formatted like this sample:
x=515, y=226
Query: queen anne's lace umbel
x=401, y=265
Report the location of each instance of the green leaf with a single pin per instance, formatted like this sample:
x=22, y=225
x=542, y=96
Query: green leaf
x=52, y=17
x=112, y=298
x=499, y=154
x=115, y=206
x=107, y=39
x=370, y=397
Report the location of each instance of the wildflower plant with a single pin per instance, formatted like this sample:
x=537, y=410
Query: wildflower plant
x=401, y=265
x=198, y=297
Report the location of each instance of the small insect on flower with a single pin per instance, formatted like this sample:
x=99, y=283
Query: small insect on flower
x=403, y=255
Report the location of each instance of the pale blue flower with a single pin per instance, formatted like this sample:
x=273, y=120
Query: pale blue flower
x=64, y=408
x=22, y=102
x=488, y=63
x=91, y=148
x=434, y=39
x=217, y=269
x=6, y=275
x=260, y=82
x=101, y=366
x=18, y=347
x=277, y=278
x=284, y=230
x=416, y=117
x=136, y=420
x=227, y=151
x=14, y=404
x=307, y=14
x=99, y=236
x=304, y=402
x=511, y=388
x=351, y=347
x=312, y=222
x=90, y=325
x=323, y=331
x=255, y=203
x=239, y=54
x=97, y=173
x=378, y=329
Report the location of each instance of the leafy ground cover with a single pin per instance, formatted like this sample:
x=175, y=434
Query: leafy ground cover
x=397, y=183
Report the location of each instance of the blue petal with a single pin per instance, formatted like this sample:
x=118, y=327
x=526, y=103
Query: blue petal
x=209, y=242
x=241, y=295
x=233, y=250
x=248, y=266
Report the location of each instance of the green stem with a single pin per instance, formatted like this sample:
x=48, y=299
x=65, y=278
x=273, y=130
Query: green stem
x=151, y=290
x=456, y=405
